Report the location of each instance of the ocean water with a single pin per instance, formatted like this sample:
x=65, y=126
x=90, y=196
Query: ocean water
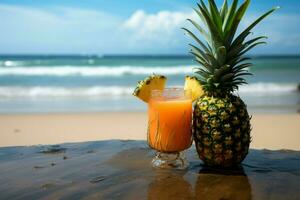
x=43, y=84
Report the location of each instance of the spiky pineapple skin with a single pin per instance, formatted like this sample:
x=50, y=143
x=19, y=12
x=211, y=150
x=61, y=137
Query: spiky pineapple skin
x=221, y=130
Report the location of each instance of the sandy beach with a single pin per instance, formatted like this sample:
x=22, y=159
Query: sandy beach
x=269, y=131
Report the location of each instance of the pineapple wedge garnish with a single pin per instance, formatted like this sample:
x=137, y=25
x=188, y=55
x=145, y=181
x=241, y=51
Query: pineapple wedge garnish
x=144, y=87
x=193, y=84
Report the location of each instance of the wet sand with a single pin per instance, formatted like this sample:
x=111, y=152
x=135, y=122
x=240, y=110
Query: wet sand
x=122, y=170
x=269, y=131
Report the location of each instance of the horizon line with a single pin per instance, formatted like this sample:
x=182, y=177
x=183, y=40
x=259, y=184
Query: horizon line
x=17, y=55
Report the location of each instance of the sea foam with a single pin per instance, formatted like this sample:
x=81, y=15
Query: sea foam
x=94, y=71
x=123, y=91
x=100, y=91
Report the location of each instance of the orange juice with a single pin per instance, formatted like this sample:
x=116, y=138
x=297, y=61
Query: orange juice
x=169, y=127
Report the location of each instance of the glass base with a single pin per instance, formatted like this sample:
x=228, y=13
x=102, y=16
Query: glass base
x=170, y=160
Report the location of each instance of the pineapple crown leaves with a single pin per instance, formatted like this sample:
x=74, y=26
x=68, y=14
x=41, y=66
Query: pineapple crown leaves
x=222, y=55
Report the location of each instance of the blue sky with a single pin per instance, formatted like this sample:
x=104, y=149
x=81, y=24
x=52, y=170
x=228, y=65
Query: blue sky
x=127, y=26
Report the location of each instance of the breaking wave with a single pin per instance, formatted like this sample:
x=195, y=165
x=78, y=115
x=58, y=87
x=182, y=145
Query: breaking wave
x=121, y=91
x=94, y=71
x=96, y=91
x=268, y=88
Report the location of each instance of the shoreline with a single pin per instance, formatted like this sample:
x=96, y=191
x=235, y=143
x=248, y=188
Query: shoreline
x=270, y=131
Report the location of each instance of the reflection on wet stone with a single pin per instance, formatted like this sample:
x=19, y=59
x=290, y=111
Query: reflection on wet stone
x=216, y=184
x=169, y=185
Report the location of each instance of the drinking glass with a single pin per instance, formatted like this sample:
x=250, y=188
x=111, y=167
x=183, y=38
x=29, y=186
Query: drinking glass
x=169, y=126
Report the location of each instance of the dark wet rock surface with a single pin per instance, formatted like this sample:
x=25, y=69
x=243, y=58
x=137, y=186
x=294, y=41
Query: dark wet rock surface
x=53, y=149
x=122, y=170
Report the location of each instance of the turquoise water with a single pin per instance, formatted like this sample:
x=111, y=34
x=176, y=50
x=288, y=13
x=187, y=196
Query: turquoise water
x=31, y=84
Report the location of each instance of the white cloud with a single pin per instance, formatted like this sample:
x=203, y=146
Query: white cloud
x=162, y=28
x=161, y=21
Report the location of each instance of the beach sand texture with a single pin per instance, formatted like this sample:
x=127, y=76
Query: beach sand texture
x=269, y=131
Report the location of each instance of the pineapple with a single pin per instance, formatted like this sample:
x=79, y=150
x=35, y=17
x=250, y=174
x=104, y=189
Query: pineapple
x=144, y=87
x=192, y=84
x=221, y=123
